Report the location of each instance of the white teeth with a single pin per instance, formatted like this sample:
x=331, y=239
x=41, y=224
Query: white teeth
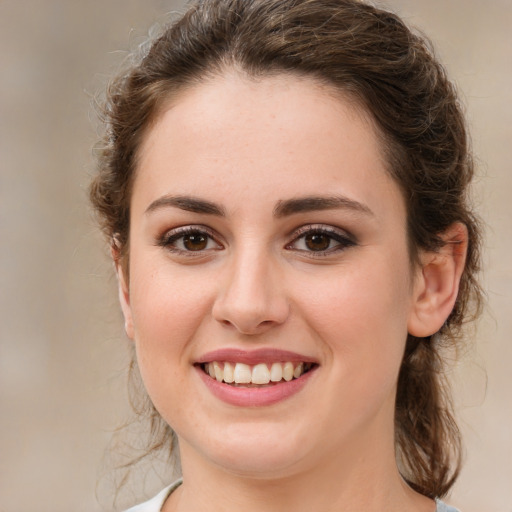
x=243, y=374
x=229, y=373
x=276, y=372
x=288, y=372
x=219, y=372
x=260, y=374
x=296, y=373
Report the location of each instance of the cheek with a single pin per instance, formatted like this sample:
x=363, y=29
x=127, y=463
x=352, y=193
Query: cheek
x=168, y=310
x=361, y=322
x=361, y=314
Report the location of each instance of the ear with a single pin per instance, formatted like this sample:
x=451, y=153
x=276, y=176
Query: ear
x=123, y=287
x=437, y=282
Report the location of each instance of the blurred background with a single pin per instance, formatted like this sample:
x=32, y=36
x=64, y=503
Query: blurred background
x=63, y=356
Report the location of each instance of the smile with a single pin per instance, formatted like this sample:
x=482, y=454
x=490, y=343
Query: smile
x=259, y=374
x=255, y=378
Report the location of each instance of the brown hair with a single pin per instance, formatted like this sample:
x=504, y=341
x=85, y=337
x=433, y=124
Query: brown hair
x=373, y=57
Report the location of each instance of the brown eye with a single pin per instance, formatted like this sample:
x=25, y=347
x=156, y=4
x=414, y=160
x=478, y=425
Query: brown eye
x=195, y=241
x=190, y=240
x=317, y=241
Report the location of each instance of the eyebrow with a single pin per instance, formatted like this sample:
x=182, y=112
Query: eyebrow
x=315, y=203
x=187, y=203
x=283, y=208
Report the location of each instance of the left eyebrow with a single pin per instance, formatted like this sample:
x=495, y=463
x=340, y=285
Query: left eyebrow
x=187, y=203
x=287, y=207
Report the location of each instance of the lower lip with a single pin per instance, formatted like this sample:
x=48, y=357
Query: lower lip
x=255, y=397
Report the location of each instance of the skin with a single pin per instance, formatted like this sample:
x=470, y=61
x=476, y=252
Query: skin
x=246, y=146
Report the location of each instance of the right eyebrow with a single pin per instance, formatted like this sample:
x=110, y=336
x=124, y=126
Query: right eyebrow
x=316, y=203
x=187, y=203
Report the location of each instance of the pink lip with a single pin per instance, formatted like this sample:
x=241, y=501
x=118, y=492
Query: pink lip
x=255, y=397
x=262, y=355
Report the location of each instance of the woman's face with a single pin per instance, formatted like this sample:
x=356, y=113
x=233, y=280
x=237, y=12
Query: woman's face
x=265, y=230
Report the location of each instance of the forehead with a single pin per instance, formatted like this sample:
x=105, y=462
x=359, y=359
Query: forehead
x=274, y=136
x=283, y=101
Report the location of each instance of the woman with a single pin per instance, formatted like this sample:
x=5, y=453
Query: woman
x=284, y=185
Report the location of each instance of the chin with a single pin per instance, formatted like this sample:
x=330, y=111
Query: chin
x=256, y=451
x=257, y=465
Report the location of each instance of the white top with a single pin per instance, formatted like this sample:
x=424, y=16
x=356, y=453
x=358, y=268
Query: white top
x=155, y=504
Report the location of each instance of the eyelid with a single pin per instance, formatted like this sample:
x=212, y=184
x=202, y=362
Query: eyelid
x=323, y=228
x=344, y=239
x=174, y=234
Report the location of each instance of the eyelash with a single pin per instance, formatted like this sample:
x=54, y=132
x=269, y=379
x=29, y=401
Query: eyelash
x=170, y=239
x=342, y=240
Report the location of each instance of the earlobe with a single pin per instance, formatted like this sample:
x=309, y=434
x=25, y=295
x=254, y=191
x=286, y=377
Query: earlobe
x=437, y=282
x=123, y=288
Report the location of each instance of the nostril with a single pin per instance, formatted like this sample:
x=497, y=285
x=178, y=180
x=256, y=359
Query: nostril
x=250, y=312
x=249, y=327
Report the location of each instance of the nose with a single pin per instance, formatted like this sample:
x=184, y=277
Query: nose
x=251, y=296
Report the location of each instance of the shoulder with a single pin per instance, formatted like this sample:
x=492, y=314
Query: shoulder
x=155, y=504
x=442, y=507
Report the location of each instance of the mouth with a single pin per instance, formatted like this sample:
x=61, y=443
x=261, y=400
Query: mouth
x=238, y=374
x=255, y=378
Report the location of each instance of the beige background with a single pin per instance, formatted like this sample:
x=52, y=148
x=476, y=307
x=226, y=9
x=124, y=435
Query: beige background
x=62, y=353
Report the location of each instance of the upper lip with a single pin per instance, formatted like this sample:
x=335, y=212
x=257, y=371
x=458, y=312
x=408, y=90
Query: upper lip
x=261, y=355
